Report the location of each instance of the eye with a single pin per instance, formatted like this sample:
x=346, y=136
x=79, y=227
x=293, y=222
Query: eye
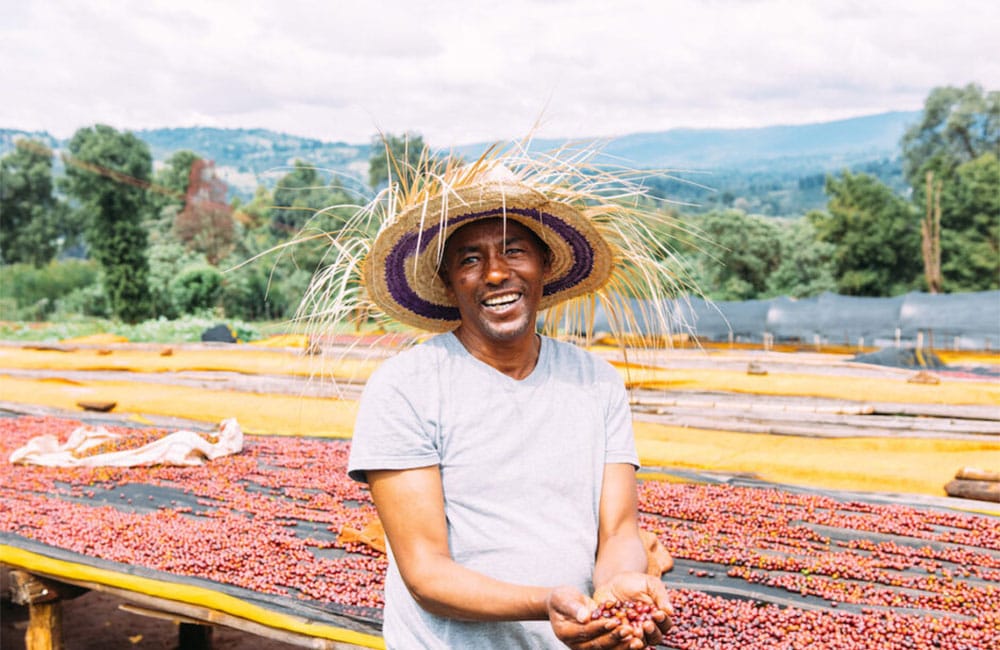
x=468, y=259
x=513, y=250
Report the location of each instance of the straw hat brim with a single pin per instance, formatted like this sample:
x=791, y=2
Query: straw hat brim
x=401, y=269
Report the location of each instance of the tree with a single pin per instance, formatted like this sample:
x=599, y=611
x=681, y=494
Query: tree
x=206, y=223
x=930, y=235
x=743, y=254
x=970, y=230
x=302, y=197
x=875, y=235
x=256, y=290
x=396, y=157
x=957, y=141
x=957, y=126
x=109, y=174
x=32, y=220
x=171, y=181
x=806, y=267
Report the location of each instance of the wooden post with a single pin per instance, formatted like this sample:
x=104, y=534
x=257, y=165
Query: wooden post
x=44, y=627
x=44, y=600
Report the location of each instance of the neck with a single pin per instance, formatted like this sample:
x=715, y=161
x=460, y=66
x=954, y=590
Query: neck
x=515, y=358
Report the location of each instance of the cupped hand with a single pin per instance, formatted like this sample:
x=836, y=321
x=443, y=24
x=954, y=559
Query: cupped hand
x=640, y=587
x=570, y=614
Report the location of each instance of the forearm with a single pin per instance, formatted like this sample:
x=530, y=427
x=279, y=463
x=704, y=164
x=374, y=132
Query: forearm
x=622, y=553
x=410, y=504
x=443, y=587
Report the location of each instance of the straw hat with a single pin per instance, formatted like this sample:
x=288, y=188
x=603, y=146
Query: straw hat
x=606, y=238
x=401, y=271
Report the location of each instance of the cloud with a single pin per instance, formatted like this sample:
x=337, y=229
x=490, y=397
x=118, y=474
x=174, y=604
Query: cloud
x=458, y=71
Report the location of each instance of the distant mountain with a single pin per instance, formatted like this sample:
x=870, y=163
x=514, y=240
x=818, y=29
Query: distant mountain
x=256, y=151
x=246, y=158
x=822, y=147
x=777, y=169
x=9, y=136
x=829, y=144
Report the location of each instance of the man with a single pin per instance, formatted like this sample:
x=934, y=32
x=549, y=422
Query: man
x=501, y=462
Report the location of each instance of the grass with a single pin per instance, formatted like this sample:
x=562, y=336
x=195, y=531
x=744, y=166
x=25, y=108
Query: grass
x=187, y=329
x=182, y=330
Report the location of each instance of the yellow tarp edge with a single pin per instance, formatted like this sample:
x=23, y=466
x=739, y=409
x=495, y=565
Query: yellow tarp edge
x=257, y=413
x=190, y=594
x=862, y=464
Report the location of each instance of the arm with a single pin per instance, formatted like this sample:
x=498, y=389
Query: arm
x=410, y=504
x=619, y=548
x=620, y=568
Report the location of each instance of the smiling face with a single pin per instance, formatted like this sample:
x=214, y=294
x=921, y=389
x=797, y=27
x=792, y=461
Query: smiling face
x=494, y=270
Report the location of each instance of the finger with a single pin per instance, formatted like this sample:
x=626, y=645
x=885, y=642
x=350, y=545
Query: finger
x=606, y=639
x=625, y=637
x=661, y=598
x=652, y=632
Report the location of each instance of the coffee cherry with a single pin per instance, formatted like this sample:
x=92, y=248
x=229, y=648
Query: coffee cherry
x=631, y=612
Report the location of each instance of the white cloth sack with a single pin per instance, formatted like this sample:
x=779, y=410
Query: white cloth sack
x=177, y=448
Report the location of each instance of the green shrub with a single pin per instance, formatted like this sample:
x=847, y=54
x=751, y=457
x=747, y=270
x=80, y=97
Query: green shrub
x=85, y=301
x=167, y=259
x=196, y=289
x=35, y=291
x=8, y=309
x=248, y=293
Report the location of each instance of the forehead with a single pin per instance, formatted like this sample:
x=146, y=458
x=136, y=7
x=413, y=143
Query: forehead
x=487, y=231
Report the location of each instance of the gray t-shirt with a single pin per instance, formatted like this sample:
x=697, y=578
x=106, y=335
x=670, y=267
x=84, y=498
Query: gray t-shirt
x=521, y=465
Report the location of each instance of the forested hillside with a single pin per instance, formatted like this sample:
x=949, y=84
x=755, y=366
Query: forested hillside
x=776, y=170
x=162, y=223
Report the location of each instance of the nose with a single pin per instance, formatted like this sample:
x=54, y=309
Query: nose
x=497, y=269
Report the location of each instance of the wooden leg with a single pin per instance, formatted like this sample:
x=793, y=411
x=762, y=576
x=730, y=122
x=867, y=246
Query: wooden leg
x=44, y=626
x=44, y=600
x=192, y=636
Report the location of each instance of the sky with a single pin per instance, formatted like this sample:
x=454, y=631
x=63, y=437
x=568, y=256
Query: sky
x=462, y=71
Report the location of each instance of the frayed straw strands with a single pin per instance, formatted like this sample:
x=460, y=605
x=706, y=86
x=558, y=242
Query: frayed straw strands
x=606, y=247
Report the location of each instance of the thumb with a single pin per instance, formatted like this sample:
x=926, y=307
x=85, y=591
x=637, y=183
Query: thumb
x=571, y=603
x=584, y=608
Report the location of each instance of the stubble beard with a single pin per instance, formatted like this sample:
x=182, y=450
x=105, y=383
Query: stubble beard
x=501, y=331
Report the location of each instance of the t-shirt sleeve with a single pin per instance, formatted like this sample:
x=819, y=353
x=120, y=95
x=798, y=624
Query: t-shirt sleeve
x=618, y=422
x=389, y=432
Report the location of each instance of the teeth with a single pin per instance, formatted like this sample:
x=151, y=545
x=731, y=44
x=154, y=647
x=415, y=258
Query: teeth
x=505, y=299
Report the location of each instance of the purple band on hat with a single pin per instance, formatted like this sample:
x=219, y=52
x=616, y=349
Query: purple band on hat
x=403, y=294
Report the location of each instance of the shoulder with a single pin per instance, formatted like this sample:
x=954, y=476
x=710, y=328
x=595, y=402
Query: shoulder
x=567, y=355
x=411, y=362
